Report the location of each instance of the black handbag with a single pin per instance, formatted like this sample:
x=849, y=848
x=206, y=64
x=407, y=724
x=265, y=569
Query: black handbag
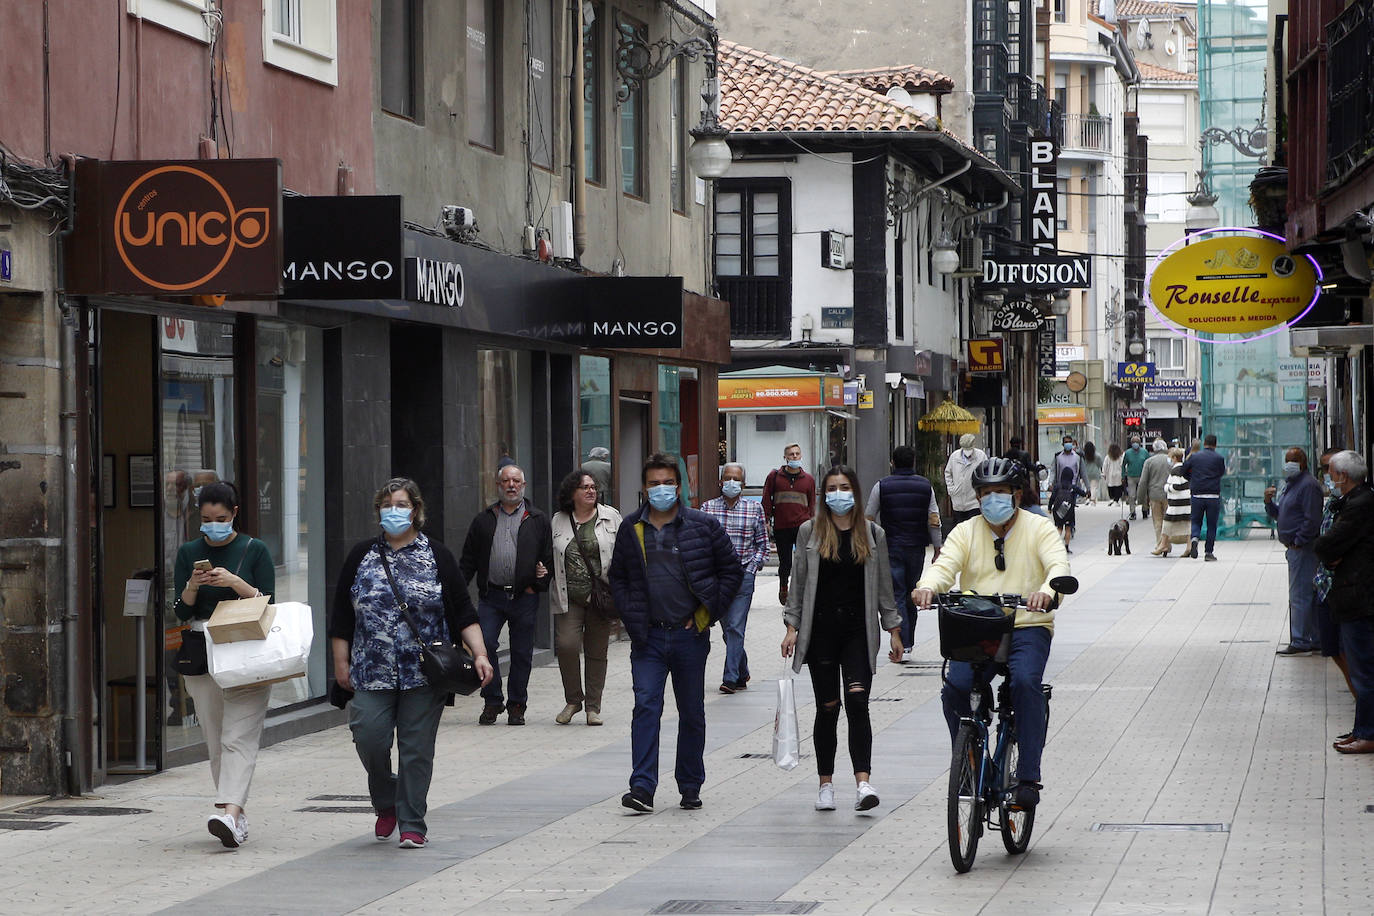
x=444, y=665
x=192, y=658
x=601, y=601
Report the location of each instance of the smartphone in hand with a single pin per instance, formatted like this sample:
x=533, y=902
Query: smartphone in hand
x=204, y=565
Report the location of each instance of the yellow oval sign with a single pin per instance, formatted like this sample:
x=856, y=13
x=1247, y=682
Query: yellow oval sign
x=1232, y=284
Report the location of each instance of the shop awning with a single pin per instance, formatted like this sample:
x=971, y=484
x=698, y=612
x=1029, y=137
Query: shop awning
x=1334, y=341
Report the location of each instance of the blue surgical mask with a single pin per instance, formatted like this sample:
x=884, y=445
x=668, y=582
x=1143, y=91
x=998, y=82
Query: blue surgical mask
x=794, y=463
x=731, y=488
x=997, y=507
x=1326, y=479
x=1290, y=469
x=395, y=521
x=663, y=497
x=1068, y=446
x=217, y=531
x=1136, y=446
x=840, y=501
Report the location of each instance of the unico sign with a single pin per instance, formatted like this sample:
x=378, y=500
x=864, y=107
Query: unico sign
x=178, y=228
x=1238, y=283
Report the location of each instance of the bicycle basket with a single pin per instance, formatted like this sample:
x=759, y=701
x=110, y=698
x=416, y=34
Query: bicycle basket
x=974, y=630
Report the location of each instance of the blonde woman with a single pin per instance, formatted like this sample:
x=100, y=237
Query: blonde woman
x=1178, y=524
x=841, y=601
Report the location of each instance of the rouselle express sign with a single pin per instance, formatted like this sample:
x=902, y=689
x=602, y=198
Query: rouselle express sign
x=176, y=228
x=1236, y=283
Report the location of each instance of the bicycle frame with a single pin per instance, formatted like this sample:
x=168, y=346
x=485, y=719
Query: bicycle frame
x=992, y=769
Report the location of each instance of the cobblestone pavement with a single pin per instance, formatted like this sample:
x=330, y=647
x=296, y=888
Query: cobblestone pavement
x=1170, y=709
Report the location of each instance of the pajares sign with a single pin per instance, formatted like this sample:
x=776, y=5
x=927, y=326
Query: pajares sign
x=180, y=228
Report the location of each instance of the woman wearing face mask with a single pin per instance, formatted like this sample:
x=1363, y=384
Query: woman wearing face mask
x=842, y=601
x=377, y=656
x=231, y=720
x=1113, y=474
x=583, y=541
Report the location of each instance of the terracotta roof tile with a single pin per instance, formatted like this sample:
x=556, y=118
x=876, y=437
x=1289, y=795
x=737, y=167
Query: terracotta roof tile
x=1134, y=9
x=760, y=92
x=1164, y=74
x=911, y=77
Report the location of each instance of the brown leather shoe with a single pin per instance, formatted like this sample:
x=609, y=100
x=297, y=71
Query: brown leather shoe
x=489, y=713
x=782, y=595
x=515, y=713
x=1356, y=746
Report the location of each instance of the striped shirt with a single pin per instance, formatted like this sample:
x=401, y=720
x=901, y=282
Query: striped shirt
x=1180, y=499
x=746, y=528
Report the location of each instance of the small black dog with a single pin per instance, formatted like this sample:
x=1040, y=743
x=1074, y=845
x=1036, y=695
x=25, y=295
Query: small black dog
x=1117, y=537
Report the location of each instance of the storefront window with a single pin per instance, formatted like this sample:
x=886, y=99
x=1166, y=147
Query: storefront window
x=670, y=422
x=290, y=482
x=196, y=394
x=595, y=420
x=505, y=415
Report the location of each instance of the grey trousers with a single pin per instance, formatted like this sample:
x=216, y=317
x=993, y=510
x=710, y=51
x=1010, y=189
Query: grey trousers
x=577, y=630
x=412, y=716
x=231, y=721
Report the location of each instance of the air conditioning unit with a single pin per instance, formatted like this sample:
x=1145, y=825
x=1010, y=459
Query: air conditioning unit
x=970, y=257
x=561, y=230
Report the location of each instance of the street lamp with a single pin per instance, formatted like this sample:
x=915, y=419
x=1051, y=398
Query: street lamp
x=709, y=155
x=946, y=257
x=1202, y=208
x=1060, y=304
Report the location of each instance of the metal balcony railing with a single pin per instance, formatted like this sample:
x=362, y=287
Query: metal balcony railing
x=760, y=307
x=1350, y=110
x=1088, y=132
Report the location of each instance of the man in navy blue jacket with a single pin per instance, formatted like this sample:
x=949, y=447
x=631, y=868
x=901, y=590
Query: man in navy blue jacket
x=904, y=504
x=1204, y=471
x=685, y=560
x=1298, y=509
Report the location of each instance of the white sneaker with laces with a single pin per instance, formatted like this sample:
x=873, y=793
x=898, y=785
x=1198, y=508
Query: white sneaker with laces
x=866, y=798
x=228, y=830
x=825, y=798
x=906, y=656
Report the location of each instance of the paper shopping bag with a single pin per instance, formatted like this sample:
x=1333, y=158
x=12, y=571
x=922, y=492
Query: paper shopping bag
x=283, y=654
x=786, y=738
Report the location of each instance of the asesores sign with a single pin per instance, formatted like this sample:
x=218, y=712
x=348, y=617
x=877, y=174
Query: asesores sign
x=1238, y=283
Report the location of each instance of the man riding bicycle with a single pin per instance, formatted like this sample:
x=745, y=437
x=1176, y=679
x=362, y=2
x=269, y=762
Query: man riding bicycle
x=1011, y=551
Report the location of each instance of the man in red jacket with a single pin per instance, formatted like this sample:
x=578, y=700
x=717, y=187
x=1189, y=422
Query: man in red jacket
x=789, y=498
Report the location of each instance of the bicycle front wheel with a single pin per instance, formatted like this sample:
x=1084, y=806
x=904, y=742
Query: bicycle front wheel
x=1017, y=823
x=965, y=798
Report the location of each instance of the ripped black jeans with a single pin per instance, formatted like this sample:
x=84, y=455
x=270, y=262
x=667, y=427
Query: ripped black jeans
x=838, y=660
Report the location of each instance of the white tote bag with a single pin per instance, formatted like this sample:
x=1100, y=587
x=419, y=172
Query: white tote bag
x=282, y=655
x=786, y=738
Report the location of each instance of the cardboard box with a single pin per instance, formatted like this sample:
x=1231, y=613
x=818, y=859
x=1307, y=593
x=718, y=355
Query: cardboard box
x=246, y=618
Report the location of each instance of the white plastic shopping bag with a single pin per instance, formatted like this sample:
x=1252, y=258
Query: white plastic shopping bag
x=786, y=738
x=284, y=654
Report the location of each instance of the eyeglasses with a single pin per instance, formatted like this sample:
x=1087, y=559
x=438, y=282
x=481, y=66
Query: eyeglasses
x=587, y=486
x=1001, y=559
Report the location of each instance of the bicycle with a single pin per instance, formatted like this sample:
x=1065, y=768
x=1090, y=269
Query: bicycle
x=982, y=782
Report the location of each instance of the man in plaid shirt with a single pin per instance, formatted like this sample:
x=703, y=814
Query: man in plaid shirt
x=743, y=521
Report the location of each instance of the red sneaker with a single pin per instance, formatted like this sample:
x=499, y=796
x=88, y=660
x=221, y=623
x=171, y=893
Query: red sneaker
x=386, y=824
x=412, y=840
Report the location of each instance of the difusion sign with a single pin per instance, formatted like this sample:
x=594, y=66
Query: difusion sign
x=1242, y=282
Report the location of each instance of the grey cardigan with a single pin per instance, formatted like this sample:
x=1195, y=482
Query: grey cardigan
x=879, y=604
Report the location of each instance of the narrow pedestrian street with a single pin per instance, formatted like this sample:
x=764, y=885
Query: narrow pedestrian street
x=1188, y=770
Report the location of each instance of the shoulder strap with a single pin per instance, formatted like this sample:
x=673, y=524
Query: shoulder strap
x=243, y=556
x=395, y=589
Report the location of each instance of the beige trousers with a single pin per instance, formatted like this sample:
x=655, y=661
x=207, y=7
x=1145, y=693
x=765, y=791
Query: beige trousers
x=231, y=721
x=576, y=631
x=1157, y=509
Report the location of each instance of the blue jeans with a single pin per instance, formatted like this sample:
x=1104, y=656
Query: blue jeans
x=732, y=628
x=681, y=654
x=517, y=612
x=1030, y=649
x=1302, y=596
x=1210, y=509
x=906, y=563
x=1357, y=643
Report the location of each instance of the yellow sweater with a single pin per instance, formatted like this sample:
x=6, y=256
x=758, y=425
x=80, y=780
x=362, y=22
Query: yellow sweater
x=1034, y=551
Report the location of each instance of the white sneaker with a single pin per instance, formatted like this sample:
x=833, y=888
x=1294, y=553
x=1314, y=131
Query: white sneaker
x=865, y=798
x=241, y=823
x=825, y=798
x=228, y=830
x=906, y=656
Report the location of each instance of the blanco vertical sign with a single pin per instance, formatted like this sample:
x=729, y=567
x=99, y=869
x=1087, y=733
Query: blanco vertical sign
x=1042, y=219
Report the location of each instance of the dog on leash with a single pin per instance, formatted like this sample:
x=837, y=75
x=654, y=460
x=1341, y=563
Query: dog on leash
x=1118, y=536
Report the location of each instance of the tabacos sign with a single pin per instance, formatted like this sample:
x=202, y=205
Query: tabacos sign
x=177, y=228
x=1240, y=282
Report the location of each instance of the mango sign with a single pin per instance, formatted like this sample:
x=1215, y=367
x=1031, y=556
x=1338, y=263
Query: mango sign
x=1232, y=284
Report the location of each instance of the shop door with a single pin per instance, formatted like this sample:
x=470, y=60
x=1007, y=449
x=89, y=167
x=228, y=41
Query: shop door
x=630, y=453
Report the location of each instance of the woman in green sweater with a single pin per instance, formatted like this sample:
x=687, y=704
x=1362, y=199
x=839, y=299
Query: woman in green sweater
x=231, y=720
